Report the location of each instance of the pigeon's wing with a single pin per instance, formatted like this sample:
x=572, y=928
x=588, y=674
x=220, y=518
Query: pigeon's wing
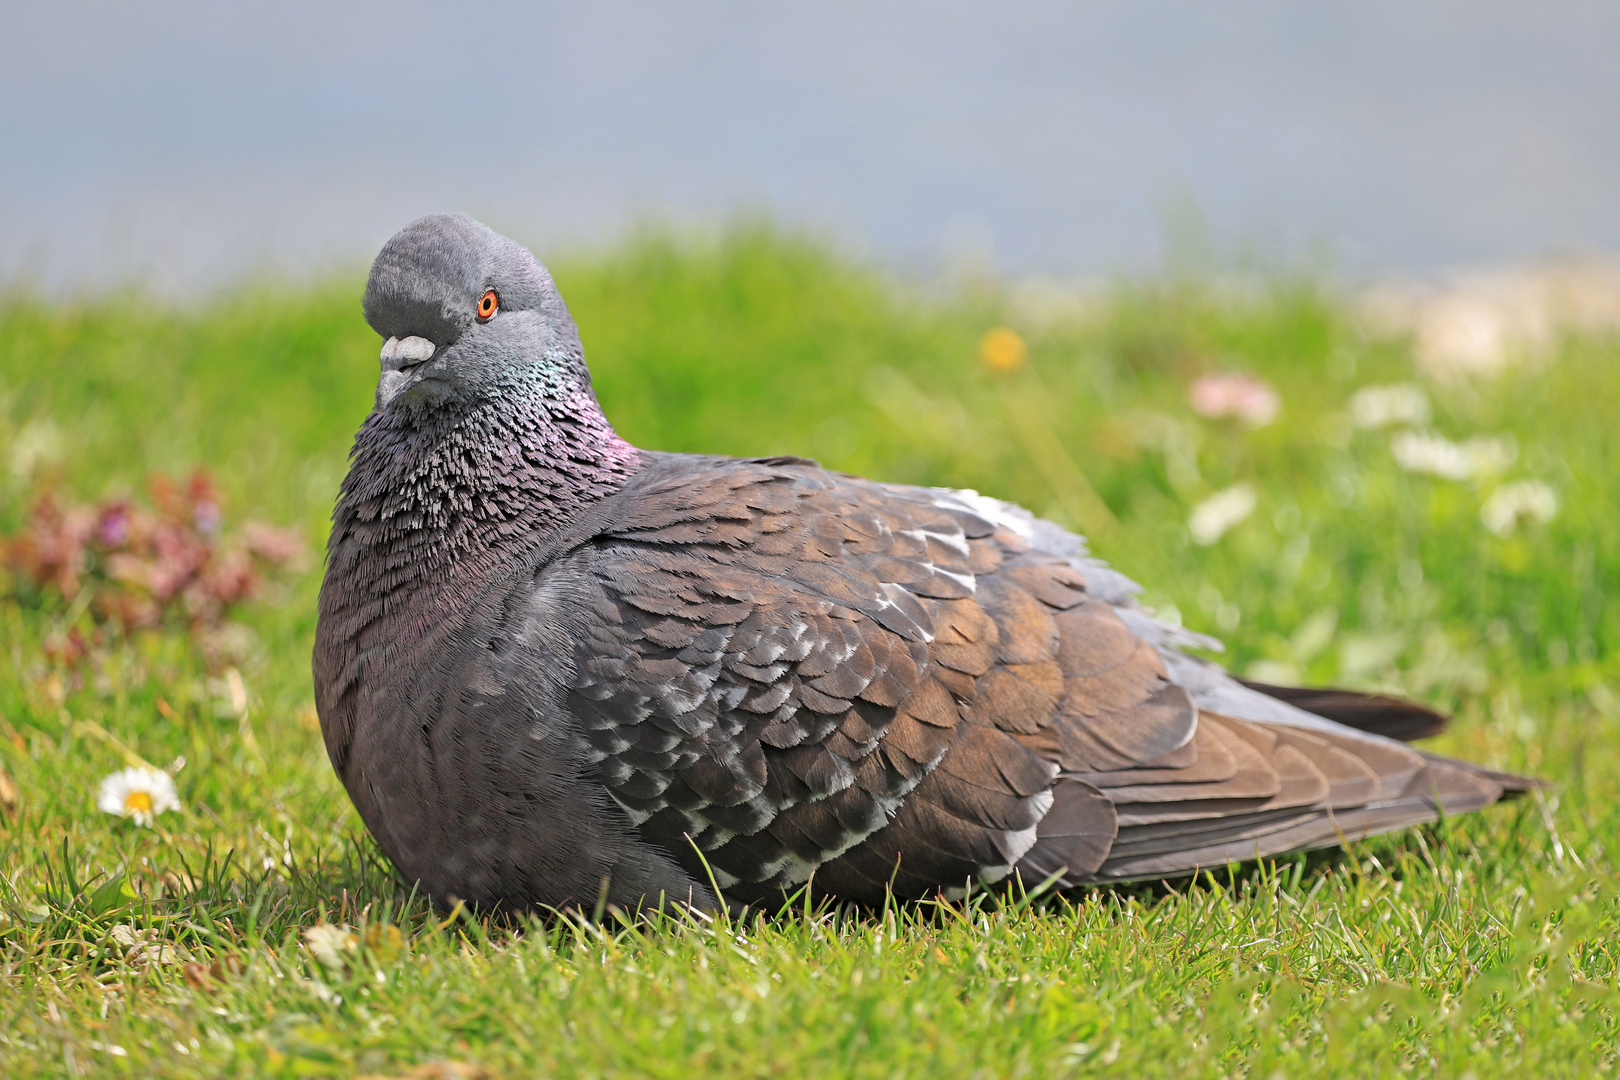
x=1269, y=770
x=787, y=671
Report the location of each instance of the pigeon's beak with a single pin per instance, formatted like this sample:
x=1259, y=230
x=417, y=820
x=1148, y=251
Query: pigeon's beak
x=400, y=359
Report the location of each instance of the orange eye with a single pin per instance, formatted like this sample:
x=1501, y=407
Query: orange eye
x=487, y=305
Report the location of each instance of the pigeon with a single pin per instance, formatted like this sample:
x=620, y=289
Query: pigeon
x=555, y=670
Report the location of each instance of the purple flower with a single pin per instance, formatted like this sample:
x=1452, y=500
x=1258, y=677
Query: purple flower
x=112, y=529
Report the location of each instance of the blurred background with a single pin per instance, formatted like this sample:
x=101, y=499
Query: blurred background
x=1306, y=314
x=185, y=144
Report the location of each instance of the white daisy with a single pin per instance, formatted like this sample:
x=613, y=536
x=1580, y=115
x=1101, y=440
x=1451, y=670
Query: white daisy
x=1212, y=518
x=1528, y=500
x=1426, y=452
x=1384, y=406
x=331, y=945
x=139, y=793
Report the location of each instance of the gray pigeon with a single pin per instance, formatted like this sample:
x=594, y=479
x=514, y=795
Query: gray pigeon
x=553, y=668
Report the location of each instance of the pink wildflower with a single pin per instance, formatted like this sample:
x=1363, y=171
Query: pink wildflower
x=1235, y=395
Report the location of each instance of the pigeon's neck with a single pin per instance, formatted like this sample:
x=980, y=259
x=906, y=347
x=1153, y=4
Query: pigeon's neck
x=449, y=501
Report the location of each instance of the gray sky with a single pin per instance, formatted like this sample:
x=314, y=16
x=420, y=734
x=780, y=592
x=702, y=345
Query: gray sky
x=190, y=142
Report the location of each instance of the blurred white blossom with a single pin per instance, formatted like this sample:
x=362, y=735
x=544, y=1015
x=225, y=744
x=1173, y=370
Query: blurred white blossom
x=37, y=443
x=143, y=947
x=331, y=945
x=1480, y=333
x=1211, y=519
x=1528, y=500
x=1426, y=452
x=1484, y=322
x=1383, y=406
x=138, y=793
x=1238, y=396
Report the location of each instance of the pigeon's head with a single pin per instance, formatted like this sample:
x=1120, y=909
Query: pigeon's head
x=467, y=316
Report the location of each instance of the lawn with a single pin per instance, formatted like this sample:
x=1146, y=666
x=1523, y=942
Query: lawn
x=1480, y=946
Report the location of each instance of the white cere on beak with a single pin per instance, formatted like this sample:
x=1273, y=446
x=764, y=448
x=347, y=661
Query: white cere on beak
x=403, y=352
x=399, y=356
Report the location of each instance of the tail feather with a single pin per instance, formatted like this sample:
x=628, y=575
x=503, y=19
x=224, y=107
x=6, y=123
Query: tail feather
x=1391, y=717
x=1326, y=790
x=1445, y=787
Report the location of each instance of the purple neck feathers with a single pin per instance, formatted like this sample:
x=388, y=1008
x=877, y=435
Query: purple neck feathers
x=442, y=506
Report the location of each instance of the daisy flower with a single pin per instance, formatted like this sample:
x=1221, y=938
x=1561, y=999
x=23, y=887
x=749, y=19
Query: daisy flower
x=1212, y=518
x=1386, y=406
x=331, y=945
x=1426, y=452
x=139, y=793
x=1527, y=500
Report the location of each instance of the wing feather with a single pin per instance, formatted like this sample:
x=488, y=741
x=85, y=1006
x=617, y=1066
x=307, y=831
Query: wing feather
x=796, y=672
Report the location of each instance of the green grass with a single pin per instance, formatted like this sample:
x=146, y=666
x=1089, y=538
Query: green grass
x=1484, y=945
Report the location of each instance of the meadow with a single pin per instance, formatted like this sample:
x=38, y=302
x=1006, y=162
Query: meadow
x=1479, y=946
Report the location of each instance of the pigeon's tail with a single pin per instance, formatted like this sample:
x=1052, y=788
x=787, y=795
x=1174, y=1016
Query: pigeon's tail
x=1393, y=718
x=1250, y=790
x=1512, y=784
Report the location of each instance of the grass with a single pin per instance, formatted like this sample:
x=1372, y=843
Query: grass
x=1481, y=946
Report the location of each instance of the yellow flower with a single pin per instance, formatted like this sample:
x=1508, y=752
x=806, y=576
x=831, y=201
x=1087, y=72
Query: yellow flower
x=1003, y=349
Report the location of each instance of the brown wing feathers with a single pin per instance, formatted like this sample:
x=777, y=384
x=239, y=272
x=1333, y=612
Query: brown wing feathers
x=799, y=672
